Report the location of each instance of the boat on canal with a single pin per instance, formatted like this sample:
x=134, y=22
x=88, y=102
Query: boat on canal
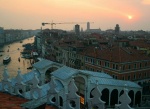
x=6, y=59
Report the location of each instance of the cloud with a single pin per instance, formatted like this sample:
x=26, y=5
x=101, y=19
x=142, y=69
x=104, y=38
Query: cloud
x=146, y=2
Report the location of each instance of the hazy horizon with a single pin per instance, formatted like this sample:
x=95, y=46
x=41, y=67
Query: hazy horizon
x=29, y=14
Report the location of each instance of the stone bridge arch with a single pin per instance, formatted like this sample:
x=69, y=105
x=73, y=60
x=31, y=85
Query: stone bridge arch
x=81, y=83
x=45, y=67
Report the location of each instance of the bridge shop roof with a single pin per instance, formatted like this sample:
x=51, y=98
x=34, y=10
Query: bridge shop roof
x=64, y=72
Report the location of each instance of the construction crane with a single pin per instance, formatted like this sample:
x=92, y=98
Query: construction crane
x=52, y=23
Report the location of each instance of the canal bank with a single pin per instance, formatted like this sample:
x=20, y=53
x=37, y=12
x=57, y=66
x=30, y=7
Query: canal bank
x=13, y=50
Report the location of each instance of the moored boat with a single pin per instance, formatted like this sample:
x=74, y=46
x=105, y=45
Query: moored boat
x=6, y=59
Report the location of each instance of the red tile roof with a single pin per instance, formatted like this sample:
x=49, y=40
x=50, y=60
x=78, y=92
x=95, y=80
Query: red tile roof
x=140, y=43
x=8, y=101
x=116, y=54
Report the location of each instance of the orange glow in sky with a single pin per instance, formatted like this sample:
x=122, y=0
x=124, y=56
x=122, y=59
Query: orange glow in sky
x=130, y=17
x=29, y=14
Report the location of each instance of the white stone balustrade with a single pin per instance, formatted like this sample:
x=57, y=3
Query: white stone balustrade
x=96, y=101
x=125, y=101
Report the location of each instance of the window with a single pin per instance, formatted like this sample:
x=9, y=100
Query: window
x=91, y=60
x=113, y=66
x=123, y=67
x=88, y=59
x=128, y=77
x=113, y=76
x=129, y=66
x=145, y=74
x=116, y=66
x=139, y=75
x=99, y=62
x=140, y=65
x=135, y=66
x=145, y=64
x=106, y=64
x=134, y=76
x=123, y=78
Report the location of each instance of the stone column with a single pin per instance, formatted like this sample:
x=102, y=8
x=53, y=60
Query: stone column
x=109, y=98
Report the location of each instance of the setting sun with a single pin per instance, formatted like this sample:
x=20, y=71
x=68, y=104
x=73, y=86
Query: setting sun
x=130, y=17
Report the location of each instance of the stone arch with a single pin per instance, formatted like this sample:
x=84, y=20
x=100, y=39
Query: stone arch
x=114, y=97
x=59, y=82
x=105, y=96
x=19, y=91
x=52, y=99
x=138, y=98
x=131, y=95
x=48, y=73
x=80, y=82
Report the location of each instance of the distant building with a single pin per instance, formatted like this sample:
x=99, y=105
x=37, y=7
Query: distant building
x=1, y=36
x=92, y=30
x=117, y=29
x=95, y=30
x=77, y=29
x=88, y=26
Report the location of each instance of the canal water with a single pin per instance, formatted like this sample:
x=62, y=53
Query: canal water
x=13, y=50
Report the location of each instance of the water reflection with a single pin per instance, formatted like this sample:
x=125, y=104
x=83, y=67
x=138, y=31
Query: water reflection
x=13, y=50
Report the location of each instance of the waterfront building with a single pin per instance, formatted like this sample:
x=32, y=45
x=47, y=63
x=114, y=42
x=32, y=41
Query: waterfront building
x=2, y=41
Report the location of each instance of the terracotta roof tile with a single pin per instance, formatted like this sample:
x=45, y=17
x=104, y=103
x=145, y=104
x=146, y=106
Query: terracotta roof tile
x=8, y=101
x=116, y=54
x=140, y=43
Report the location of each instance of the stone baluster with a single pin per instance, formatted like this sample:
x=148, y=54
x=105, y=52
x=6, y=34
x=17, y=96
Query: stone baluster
x=6, y=82
x=125, y=100
x=20, y=86
x=73, y=100
x=52, y=92
x=96, y=100
x=35, y=91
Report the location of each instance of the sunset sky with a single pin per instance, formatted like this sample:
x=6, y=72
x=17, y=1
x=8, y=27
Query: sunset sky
x=29, y=14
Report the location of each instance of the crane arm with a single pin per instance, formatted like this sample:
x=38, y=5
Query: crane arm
x=43, y=24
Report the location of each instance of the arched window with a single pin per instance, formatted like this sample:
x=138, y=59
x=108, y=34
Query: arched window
x=138, y=98
x=131, y=95
x=48, y=74
x=105, y=96
x=114, y=97
x=81, y=85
